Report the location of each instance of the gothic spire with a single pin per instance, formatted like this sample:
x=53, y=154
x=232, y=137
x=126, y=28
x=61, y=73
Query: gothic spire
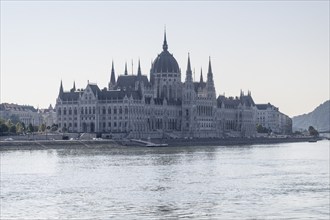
x=210, y=83
x=210, y=68
x=61, y=88
x=112, y=78
x=74, y=86
x=188, y=73
x=139, y=70
x=209, y=73
x=201, y=79
x=165, y=42
x=126, y=69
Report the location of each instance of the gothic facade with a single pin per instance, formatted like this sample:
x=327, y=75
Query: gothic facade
x=162, y=106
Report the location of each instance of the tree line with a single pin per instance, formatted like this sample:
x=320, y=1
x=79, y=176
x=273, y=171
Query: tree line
x=12, y=127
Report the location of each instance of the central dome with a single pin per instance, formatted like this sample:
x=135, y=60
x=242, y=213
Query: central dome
x=165, y=62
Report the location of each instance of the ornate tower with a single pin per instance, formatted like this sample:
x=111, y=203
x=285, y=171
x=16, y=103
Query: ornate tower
x=188, y=92
x=188, y=102
x=210, y=83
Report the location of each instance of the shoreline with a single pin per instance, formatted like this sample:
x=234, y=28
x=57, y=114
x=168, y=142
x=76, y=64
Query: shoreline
x=109, y=143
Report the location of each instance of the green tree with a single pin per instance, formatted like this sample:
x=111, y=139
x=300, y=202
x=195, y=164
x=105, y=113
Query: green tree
x=312, y=131
x=23, y=125
x=9, y=123
x=30, y=128
x=14, y=119
x=19, y=128
x=262, y=129
x=3, y=128
x=54, y=127
x=42, y=127
x=12, y=129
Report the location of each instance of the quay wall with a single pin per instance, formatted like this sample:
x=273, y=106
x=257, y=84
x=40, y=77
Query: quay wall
x=81, y=144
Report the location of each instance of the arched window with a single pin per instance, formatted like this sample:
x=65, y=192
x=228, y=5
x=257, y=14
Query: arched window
x=170, y=92
x=70, y=111
x=109, y=110
x=75, y=111
x=164, y=91
x=64, y=111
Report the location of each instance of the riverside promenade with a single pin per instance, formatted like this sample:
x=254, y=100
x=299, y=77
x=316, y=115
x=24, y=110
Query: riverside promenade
x=109, y=143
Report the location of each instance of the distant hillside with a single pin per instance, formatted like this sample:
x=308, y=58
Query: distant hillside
x=319, y=119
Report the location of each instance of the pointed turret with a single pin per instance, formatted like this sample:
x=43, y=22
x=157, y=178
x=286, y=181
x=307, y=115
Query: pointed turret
x=61, y=89
x=165, y=47
x=201, y=79
x=209, y=83
x=139, y=70
x=74, y=86
x=189, y=72
x=209, y=73
x=112, y=78
x=112, y=82
x=126, y=69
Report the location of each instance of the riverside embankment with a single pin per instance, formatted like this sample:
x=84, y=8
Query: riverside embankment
x=106, y=143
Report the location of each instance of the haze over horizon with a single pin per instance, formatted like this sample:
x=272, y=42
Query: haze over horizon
x=277, y=50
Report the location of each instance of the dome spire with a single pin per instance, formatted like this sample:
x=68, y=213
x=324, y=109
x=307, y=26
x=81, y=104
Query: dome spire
x=165, y=42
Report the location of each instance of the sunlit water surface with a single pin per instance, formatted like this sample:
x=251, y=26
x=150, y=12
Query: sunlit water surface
x=286, y=181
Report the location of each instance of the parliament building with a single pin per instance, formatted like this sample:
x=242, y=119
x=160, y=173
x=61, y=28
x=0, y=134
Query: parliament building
x=161, y=106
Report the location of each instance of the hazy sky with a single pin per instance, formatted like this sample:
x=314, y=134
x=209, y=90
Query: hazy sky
x=278, y=50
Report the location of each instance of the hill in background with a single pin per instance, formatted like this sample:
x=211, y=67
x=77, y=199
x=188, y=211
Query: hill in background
x=319, y=119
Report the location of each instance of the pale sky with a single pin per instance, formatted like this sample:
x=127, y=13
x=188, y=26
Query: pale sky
x=278, y=50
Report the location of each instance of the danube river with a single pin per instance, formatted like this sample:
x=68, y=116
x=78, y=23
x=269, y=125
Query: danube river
x=279, y=181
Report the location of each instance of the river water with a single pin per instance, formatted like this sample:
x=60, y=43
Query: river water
x=279, y=181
